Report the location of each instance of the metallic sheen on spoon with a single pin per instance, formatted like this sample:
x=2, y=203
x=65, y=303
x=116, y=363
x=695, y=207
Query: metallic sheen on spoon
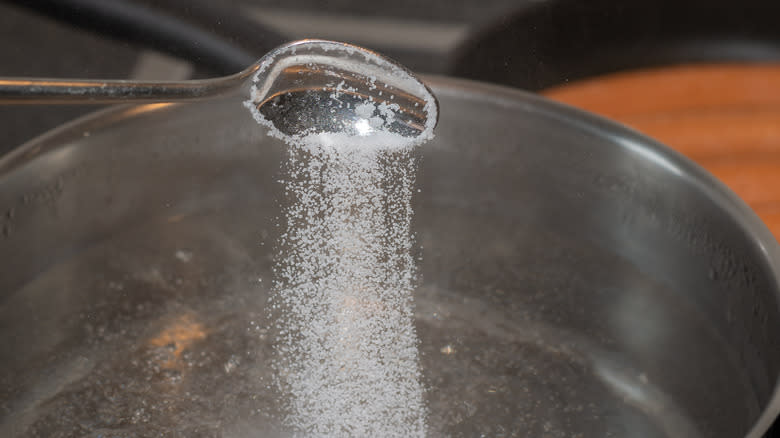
x=307, y=86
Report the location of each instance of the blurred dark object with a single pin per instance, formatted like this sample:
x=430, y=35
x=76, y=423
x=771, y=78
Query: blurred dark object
x=548, y=43
x=195, y=33
x=34, y=46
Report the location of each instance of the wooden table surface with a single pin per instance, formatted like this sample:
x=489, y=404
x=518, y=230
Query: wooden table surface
x=726, y=117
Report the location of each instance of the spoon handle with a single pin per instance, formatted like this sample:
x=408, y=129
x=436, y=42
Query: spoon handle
x=77, y=91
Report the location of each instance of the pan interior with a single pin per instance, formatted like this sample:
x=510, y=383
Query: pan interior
x=574, y=280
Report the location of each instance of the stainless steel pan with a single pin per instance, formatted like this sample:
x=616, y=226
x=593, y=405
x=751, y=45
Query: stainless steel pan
x=577, y=278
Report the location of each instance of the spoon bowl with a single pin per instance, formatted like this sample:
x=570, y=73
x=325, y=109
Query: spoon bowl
x=316, y=86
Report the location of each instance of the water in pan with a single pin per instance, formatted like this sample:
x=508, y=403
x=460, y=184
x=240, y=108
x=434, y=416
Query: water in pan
x=161, y=330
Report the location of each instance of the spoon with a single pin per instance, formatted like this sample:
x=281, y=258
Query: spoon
x=300, y=88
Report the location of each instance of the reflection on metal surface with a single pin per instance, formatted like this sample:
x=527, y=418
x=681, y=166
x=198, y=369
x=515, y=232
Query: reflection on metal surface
x=178, y=336
x=175, y=218
x=315, y=87
x=448, y=350
x=652, y=155
x=635, y=390
x=148, y=108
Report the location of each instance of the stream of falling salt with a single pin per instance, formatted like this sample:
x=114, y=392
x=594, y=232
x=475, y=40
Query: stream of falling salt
x=347, y=350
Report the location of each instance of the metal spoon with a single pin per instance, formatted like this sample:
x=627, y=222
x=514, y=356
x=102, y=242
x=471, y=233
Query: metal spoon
x=308, y=86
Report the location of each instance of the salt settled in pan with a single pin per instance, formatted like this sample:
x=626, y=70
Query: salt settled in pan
x=347, y=350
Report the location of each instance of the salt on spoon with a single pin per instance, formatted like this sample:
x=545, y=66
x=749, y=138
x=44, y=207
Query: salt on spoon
x=326, y=88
